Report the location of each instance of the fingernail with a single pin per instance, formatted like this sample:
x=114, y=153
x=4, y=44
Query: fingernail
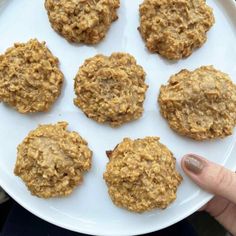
x=194, y=164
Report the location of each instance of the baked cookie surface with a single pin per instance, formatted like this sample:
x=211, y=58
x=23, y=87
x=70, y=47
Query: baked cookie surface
x=30, y=79
x=82, y=21
x=111, y=89
x=174, y=28
x=51, y=160
x=141, y=175
x=200, y=104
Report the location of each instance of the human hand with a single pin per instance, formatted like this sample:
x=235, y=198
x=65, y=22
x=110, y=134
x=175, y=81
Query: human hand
x=219, y=181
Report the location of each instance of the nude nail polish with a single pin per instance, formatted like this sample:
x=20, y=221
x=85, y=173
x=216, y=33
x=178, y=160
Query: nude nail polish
x=193, y=164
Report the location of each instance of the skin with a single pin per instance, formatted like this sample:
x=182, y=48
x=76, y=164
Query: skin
x=219, y=181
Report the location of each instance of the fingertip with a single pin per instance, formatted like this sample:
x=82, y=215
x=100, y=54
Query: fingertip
x=182, y=162
x=210, y=176
x=192, y=164
x=185, y=159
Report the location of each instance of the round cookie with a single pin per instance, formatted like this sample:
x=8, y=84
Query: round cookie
x=51, y=160
x=82, y=21
x=30, y=79
x=174, y=28
x=111, y=89
x=141, y=175
x=200, y=104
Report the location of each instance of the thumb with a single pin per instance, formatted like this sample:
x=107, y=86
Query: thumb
x=210, y=176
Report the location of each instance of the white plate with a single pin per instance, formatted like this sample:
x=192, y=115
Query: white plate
x=89, y=209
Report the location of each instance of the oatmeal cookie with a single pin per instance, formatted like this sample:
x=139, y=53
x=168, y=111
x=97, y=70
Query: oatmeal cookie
x=174, y=28
x=51, y=160
x=111, y=89
x=141, y=175
x=30, y=80
x=82, y=21
x=200, y=104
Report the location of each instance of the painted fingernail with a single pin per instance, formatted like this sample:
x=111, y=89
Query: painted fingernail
x=193, y=164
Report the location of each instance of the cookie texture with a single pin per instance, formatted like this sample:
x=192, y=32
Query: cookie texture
x=82, y=21
x=30, y=79
x=174, y=28
x=200, y=104
x=111, y=89
x=141, y=175
x=51, y=160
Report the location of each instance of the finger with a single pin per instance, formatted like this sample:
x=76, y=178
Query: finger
x=227, y=218
x=224, y=212
x=210, y=176
x=216, y=206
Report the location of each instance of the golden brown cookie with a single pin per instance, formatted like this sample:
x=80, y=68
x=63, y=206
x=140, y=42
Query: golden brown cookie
x=174, y=28
x=111, y=89
x=200, y=104
x=141, y=175
x=51, y=160
x=82, y=21
x=30, y=79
